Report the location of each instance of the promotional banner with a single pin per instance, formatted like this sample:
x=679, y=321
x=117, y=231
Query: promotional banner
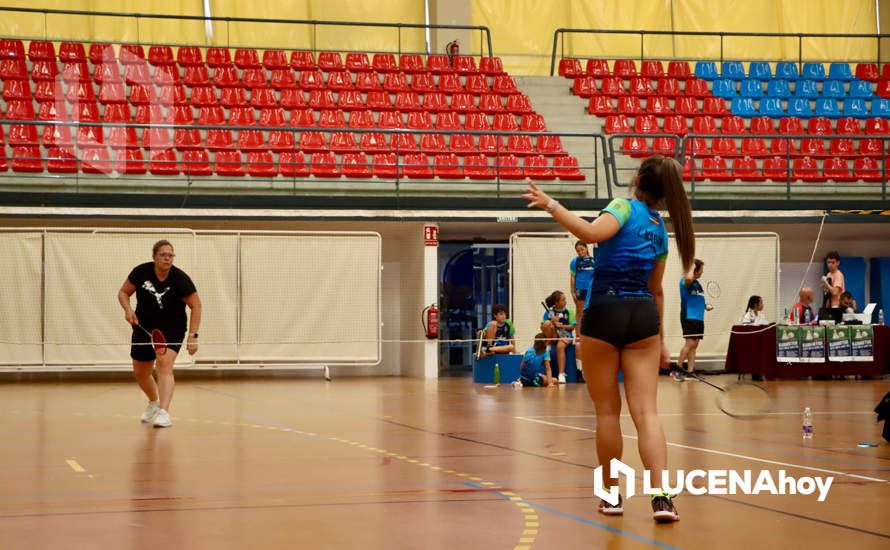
x=839, y=346
x=787, y=344
x=862, y=342
x=812, y=344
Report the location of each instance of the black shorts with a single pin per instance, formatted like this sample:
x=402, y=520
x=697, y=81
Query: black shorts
x=620, y=320
x=580, y=294
x=693, y=329
x=141, y=348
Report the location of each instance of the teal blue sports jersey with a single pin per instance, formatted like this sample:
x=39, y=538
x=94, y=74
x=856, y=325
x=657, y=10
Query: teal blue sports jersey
x=624, y=262
x=692, y=300
x=582, y=268
x=533, y=363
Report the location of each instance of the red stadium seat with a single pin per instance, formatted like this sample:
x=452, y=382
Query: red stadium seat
x=261, y=98
x=160, y=55
x=462, y=144
x=704, y=125
x=491, y=104
x=732, y=125
x=696, y=87
x=367, y=82
x=686, y=106
x=463, y=102
x=419, y=120
x=537, y=168
x=187, y=56
x=331, y=118
x=646, y=124
x=566, y=168
x=423, y=83
x=41, y=50
x=433, y=144
x=396, y=82
x=292, y=98
x=532, y=122
x=203, y=96
x=791, y=125
x=95, y=161
x=312, y=80
x=507, y=167
x=303, y=61
x=196, y=163
x=178, y=114
x=669, y=87
x=477, y=122
x=21, y=90
x=340, y=80
x=411, y=63
x=761, y=125
x=226, y=76
x=261, y=164
x=350, y=100
x=675, y=124
x=402, y=143
x=569, y=68
x=72, y=51
x=27, y=159
x=842, y=148
x=812, y=147
x=16, y=69
x=629, y=106
x=59, y=160
x=616, y=124
x=313, y=142
x=282, y=78
x=448, y=121
x=715, y=106
x=837, y=170
x=867, y=71
x=50, y=92
x=184, y=139
x=520, y=145
x=504, y=85
x=781, y=147
x=250, y=140
x=612, y=86
x=156, y=138
x=145, y=114
x=228, y=164
x=745, y=169
x=625, y=68
x=436, y=102
x=417, y=166
x=43, y=70
x=438, y=64
x=330, y=61
x=636, y=147
x=504, y=122
x=343, y=142
x=219, y=140
x=385, y=166
x=641, y=87
x=196, y=75
x=877, y=126
x=652, y=69
x=275, y=60
x=322, y=100
x=447, y=166
x=724, y=147
x=598, y=68
x=129, y=161
x=166, y=75
x=476, y=168
x=55, y=136
x=450, y=83
x=819, y=126
x=355, y=165
x=25, y=135
x=163, y=163
x=666, y=146
x=176, y=95
x=101, y=53
x=549, y=145
x=384, y=63
x=866, y=169
x=585, y=86
x=491, y=145
x=659, y=106
x=601, y=105
x=848, y=127
x=292, y=164
x=477, y=84
x=79, y=92
x=754, y=147
x=131, y=54
x=806, y=169
x=390, y=120
x=254, y=78
x=775, y=168
x=408, y=101
x=465, y=65
x=491, y=66
x=361, y=119
x=714, y=169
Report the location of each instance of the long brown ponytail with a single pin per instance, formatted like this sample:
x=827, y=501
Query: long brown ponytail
x=661, y=181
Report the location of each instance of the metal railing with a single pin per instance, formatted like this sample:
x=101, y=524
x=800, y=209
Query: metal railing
x=685, y=151
x=398, y=173
x=559, y=40
x=484, y=37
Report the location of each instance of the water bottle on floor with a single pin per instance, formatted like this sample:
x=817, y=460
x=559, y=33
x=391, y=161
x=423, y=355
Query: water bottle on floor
x=497, y=374
x=808, y=423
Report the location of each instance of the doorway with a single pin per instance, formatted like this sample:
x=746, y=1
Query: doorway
x=472, y=278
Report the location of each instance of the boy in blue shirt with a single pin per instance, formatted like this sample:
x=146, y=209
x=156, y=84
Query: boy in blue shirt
x=535, y=367
x=500, y=334
x=581, y=269
x=692, y=313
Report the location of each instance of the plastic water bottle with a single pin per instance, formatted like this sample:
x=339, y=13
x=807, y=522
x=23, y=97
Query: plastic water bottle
x=808, y=423
x=880, y=316
x=497, y=374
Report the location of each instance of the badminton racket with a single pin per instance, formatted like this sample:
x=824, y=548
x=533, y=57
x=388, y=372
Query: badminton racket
x=713, y=289
x=158, y=340
x=742, y=399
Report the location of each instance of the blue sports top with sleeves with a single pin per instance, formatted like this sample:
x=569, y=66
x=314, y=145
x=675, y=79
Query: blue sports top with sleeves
x=533, y=363
x=582, y=268
x=623, y=263
x=692, y=300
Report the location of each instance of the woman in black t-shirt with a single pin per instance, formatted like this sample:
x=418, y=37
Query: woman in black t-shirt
x=162, y=292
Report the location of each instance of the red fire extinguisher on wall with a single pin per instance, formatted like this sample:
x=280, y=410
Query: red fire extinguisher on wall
x=429, y=318
x=453, y=50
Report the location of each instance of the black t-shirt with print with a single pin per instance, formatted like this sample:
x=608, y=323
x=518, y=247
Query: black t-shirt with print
x=159, y=303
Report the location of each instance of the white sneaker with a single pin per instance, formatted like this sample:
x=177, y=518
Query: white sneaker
x=162, y=419
x=517, y=384
x=150, y=411
x=562, y=378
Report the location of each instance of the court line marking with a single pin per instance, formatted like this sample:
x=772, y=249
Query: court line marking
x=780, y=413
x=585, y=521
x=75, y=466
x=717, y=452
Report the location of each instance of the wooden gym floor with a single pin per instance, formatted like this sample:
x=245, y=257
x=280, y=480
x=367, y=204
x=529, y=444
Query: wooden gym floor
x=402, y=463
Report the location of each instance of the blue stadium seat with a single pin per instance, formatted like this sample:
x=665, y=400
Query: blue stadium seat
x=860, y=88
x=800, y=107
x=760, y=70
x=725, y=88
x=827, y=107
x=813, y=71
x=771, y=107
x=786, y=70
x=834, y=89
x=743, y=106
x=840, y=71
x=806, y=88
x=751, y=87
x=706, y=70
x=880, y=107
x=733, y=69
x=778, y=88
x=855, y=107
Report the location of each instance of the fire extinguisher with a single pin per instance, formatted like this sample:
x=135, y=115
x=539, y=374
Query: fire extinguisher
x=429, y=318
x=453, y=50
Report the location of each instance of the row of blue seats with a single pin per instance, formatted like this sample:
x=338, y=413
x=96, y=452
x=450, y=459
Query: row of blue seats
x=785, y=70
x=800, y=107
x=752, y=87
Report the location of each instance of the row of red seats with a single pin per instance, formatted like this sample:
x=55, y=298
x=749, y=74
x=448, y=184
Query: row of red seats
x=586, y=86
x=266, y=97
x=775, y=169
x=658, y=106
x=246, y=58
x=283, y=140
x=291, y=164
x=108, y=75
x=679, y=125
x=627, y=69
x=755, y=147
